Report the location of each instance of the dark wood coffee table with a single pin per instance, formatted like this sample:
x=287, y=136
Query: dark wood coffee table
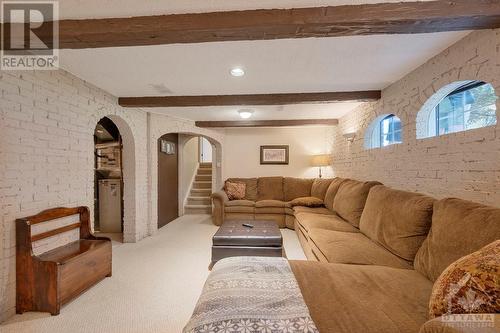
x=234, y=240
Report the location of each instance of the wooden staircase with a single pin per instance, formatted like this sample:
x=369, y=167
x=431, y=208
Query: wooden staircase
x=199, y=201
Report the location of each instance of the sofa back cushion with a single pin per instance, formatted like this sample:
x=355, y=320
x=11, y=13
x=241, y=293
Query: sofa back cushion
x=319, y=187
x=351, y=198
x=270, y=188
x=397, y=220
x=251, y=187
x=331, y=192
x=296, y=188
x=459, y=228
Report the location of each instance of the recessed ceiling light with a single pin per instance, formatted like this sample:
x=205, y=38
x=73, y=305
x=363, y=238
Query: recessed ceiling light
x=245, y=113
x=237, y=72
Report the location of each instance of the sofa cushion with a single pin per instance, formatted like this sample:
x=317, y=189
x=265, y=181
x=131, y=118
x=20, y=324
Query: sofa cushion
x=307, y=202
x=331, y=192
x=397, y=220
x=319, y=187
x=477, y=274
x=353, y=248
x=270, y=188
x=351, y=198
x=314, y=210
x=367, y=299
x=270, y=210
x=310, y=221
x=251, y=187
x=272, y=203
x=235, y=203
x=239, y=209
x=296, y=188
x=459, y=227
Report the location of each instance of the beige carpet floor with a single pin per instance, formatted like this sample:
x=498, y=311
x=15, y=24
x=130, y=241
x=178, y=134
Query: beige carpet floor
x=154, y=287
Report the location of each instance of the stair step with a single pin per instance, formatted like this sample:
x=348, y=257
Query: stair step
x=204, y=171
x=205, y=165
x=198, y=209
x=200, y=192
x=198, y=200
x=202, y=177
x=202, y=184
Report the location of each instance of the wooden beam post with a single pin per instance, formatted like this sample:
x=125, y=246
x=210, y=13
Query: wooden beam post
x=256, y=99
x=264, y=24
x=268, y=123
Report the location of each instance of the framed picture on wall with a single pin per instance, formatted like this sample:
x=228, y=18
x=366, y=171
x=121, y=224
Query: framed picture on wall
x=274, y=154
x=167, y=147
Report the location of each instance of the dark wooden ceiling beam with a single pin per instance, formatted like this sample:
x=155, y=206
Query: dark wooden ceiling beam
x=264, y=24
x=256, y=99
x=267, y=123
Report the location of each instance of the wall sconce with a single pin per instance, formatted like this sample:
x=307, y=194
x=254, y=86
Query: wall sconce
x=350, y=137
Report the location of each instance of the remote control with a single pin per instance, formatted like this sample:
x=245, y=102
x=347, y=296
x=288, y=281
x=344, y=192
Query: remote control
x=247, y=225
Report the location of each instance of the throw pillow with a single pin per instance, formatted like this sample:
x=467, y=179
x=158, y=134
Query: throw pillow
x=307, y=201
x=235, y=191
x=469, y=285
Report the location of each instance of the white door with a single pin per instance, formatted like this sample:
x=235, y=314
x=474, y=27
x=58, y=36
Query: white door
x=205, y=151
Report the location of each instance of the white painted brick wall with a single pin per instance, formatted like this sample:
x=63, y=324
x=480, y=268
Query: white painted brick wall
x=47, y=156
x=47, y=122
x=465, y=164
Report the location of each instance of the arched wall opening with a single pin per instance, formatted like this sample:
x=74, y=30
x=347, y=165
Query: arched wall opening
x=197, y=174
x=184, y=137
x=128, y=177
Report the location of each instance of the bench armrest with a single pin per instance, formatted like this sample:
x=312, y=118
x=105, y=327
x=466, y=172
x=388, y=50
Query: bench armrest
x=219, y=200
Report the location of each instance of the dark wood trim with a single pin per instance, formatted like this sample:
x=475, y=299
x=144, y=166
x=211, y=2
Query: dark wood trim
x=54, y=232
x=52, y=214
x=264, y=24
x=251, y=99
x=268, y=123
x=287, y=154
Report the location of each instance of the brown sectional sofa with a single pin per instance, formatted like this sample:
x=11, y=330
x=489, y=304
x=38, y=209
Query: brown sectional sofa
x=374, y=252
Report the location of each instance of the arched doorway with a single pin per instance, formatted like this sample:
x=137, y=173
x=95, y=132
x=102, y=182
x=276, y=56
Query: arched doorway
x=186, y=175
x=196, y=174
x=108, y=180
x=156, y=184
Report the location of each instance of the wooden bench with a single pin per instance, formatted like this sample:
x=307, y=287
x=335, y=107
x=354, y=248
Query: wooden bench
x=46, y=281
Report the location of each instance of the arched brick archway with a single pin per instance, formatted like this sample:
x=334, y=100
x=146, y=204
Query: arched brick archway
x=217, y=181
x=128, y=169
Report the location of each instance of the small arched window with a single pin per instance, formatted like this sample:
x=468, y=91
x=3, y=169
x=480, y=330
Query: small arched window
x=470, y=105
x=390, y=131
x=384, y=131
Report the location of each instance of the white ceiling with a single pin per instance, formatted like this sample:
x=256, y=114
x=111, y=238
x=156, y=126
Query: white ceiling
x=228, y=113
x=77, y=9
x=275, y=66
x=291, y=65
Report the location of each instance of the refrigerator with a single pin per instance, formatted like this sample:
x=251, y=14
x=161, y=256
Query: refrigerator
x=110, y=206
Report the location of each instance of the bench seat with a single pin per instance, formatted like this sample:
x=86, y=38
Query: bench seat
x=68, y=252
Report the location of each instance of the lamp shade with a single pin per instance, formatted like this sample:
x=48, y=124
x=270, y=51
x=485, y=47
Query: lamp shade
x=321, y=160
